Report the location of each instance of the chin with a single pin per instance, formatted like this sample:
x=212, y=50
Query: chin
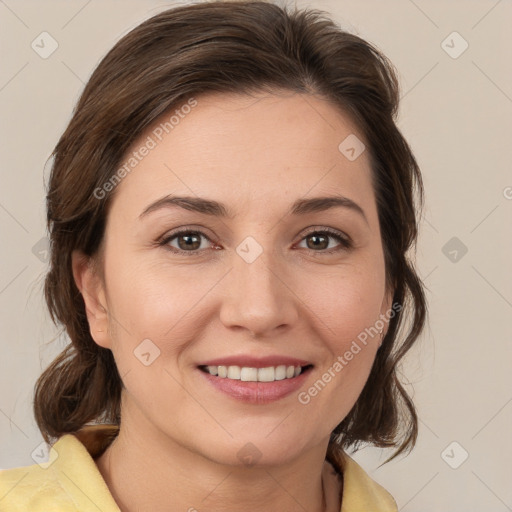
x=255, y=451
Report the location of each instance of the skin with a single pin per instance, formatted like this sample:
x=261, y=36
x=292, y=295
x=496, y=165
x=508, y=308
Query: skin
x=179, y=439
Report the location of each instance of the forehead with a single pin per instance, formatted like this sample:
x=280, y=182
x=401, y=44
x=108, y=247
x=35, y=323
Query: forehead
x=246, y=151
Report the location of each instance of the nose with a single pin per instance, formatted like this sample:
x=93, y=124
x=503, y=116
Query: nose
x=259, y=298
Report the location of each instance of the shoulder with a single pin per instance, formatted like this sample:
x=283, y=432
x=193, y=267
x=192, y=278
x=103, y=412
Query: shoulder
x=30, y=488
x=69, y=482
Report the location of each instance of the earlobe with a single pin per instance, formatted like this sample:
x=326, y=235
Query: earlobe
x=91, y=286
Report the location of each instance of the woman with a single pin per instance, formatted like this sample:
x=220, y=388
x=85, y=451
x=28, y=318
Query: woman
x=230, y=209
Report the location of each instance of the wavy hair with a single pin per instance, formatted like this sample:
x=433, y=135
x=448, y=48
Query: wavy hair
x=227, y=47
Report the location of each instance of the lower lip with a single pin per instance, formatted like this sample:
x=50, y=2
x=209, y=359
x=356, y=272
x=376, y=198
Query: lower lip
x=257, y=392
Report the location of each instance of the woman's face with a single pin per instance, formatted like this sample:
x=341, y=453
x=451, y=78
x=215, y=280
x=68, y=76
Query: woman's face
x=251, y=283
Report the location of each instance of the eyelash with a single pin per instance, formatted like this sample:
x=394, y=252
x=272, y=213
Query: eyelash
x=345, y=241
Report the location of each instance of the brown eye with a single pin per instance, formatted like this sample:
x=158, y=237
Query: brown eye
x=188, y=242
x=319, y=241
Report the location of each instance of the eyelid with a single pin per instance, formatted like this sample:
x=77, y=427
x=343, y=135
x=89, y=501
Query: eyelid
x=345, y=241
x=168, y=236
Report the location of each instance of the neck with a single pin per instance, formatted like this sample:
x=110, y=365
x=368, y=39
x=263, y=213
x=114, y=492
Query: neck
x=153, y=472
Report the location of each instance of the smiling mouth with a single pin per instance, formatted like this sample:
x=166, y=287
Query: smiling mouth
x=248, y=374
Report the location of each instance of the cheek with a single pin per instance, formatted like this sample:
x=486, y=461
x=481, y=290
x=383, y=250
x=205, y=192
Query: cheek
x=347, y=304
x=157, y=309
x=347, y=311
x=153, y=300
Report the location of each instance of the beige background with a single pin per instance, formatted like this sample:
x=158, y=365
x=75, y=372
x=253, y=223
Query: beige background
x=456, y=114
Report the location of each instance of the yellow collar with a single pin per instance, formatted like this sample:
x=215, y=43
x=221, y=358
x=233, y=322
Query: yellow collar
x=360, y=492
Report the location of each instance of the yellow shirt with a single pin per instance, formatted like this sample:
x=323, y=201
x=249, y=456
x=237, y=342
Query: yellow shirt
x=73, y=483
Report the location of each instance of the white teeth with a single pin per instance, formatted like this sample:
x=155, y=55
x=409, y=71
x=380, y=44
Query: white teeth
x=266, y=374
x=249, y=374
x=234, y=372
x=280, y=372
x=246, y=374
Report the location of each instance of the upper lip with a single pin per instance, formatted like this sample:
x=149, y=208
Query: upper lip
x=256, y=362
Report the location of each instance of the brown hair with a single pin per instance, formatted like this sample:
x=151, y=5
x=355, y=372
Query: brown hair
x=226, y=47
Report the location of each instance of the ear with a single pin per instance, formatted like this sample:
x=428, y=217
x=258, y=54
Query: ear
x=91, y=286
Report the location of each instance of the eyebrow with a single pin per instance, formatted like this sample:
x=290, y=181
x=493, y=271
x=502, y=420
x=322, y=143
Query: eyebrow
x=216, y=209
